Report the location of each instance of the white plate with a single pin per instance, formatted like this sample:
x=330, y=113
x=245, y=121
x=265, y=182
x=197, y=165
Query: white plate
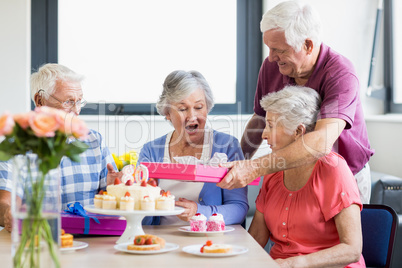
x=123, y=248
x=195, y=250
x=76, y=245
x=187, y=229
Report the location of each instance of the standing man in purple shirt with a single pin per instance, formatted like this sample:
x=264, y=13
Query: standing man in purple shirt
x=297, y=57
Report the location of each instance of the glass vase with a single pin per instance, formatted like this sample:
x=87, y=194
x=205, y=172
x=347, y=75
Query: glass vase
x=36, y=209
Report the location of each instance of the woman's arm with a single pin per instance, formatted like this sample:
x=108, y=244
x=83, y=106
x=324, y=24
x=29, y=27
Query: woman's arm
x=347, y=251
x=258, y=229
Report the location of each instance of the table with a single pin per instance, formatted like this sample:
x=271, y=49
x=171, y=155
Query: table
x=101, y=253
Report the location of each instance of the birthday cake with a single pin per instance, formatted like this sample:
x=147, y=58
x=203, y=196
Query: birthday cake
x=136, y=184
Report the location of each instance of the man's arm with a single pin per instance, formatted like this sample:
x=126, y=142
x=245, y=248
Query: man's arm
x=6, y=218
x=304, y=150
x=252, y=136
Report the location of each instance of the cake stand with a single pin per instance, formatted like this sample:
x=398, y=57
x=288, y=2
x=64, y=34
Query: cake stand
x=133, y=218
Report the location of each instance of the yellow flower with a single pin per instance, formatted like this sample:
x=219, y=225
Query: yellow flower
x=119, y=163
x=128, y=158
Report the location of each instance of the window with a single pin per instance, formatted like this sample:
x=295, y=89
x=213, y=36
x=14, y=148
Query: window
x=126, y=48
x=391, y=93
x=395, y=60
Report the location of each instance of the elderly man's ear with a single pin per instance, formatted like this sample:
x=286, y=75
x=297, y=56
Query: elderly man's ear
x=38, y=100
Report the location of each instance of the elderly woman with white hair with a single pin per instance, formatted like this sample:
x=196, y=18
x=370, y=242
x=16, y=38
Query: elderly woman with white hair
x=311, y=212
x=186, y=101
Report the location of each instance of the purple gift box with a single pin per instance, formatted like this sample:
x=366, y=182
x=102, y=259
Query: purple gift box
x=108, y=224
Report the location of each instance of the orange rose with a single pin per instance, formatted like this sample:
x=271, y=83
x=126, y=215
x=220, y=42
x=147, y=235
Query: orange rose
x=74, y=126
x=6, y=124
x=45, y=122
x=23, y=119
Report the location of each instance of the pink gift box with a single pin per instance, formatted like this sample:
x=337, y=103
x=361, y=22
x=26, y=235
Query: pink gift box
x=201, y=173
x=108, y=224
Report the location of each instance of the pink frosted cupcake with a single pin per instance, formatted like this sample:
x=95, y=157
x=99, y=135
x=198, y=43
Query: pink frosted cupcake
x=198, y=223
x=215, y=223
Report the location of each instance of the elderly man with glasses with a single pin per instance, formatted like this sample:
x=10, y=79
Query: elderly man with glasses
x=57, y=86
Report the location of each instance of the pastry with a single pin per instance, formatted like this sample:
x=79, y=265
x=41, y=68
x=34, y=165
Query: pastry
x=66, y=239
x=217, y=248
x=147, y=242
x=127, y=202
x=198, y=223
x=215, y=223
x=148, y=203
x=109, y=202
x=165, y=201
x=98, y=200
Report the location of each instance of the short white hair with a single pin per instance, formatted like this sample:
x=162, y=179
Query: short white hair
x=47, y=76
x=296, y=105
x=298, y=21
x=180, y=84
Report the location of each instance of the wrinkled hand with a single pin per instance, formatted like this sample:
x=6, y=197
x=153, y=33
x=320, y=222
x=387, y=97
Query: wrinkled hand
x=112, y=174
x=8, y=220
x=190, y=208
x=241, y=173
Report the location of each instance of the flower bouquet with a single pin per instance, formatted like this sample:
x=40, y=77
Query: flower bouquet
x=37, y=141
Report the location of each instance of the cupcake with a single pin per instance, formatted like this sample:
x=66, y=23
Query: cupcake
x=165, y=201
x=215, y=223
x=109, y=202
x=198, y=223
x=127, y=202
x=147, y=203
x=98, y=200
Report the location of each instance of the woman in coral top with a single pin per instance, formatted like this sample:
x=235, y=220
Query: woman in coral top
x=311, y=213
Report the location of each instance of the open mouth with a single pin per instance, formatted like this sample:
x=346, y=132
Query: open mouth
x=192, y=128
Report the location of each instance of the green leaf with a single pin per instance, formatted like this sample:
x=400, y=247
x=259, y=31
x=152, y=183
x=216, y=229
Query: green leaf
x=5, y=156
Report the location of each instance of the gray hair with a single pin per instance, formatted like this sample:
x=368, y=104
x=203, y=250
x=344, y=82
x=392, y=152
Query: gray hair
x=180, y=84
x=295, y=105
x=298, y=21
x=47, y=76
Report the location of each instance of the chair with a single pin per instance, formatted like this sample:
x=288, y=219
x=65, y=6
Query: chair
x=387, y=190
x=379, y=224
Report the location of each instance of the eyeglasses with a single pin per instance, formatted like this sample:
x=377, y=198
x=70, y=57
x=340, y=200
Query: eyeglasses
x=68, y=104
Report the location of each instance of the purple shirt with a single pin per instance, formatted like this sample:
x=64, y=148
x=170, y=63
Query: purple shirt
x=336, y=81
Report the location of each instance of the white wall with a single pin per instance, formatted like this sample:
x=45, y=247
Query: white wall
x=15, y=55
x=123, y=133
x=385, y=137
x=348, y=28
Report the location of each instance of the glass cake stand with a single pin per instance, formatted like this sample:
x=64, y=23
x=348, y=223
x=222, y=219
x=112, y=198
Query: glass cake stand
x=133, y=218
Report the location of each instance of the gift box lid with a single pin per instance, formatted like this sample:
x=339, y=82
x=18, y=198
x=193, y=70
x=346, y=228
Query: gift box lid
x=200, y=173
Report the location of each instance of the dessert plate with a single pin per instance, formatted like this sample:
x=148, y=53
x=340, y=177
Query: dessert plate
x=76, y=245
x=195, y=250
x=187, y=229
x=123, y=248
